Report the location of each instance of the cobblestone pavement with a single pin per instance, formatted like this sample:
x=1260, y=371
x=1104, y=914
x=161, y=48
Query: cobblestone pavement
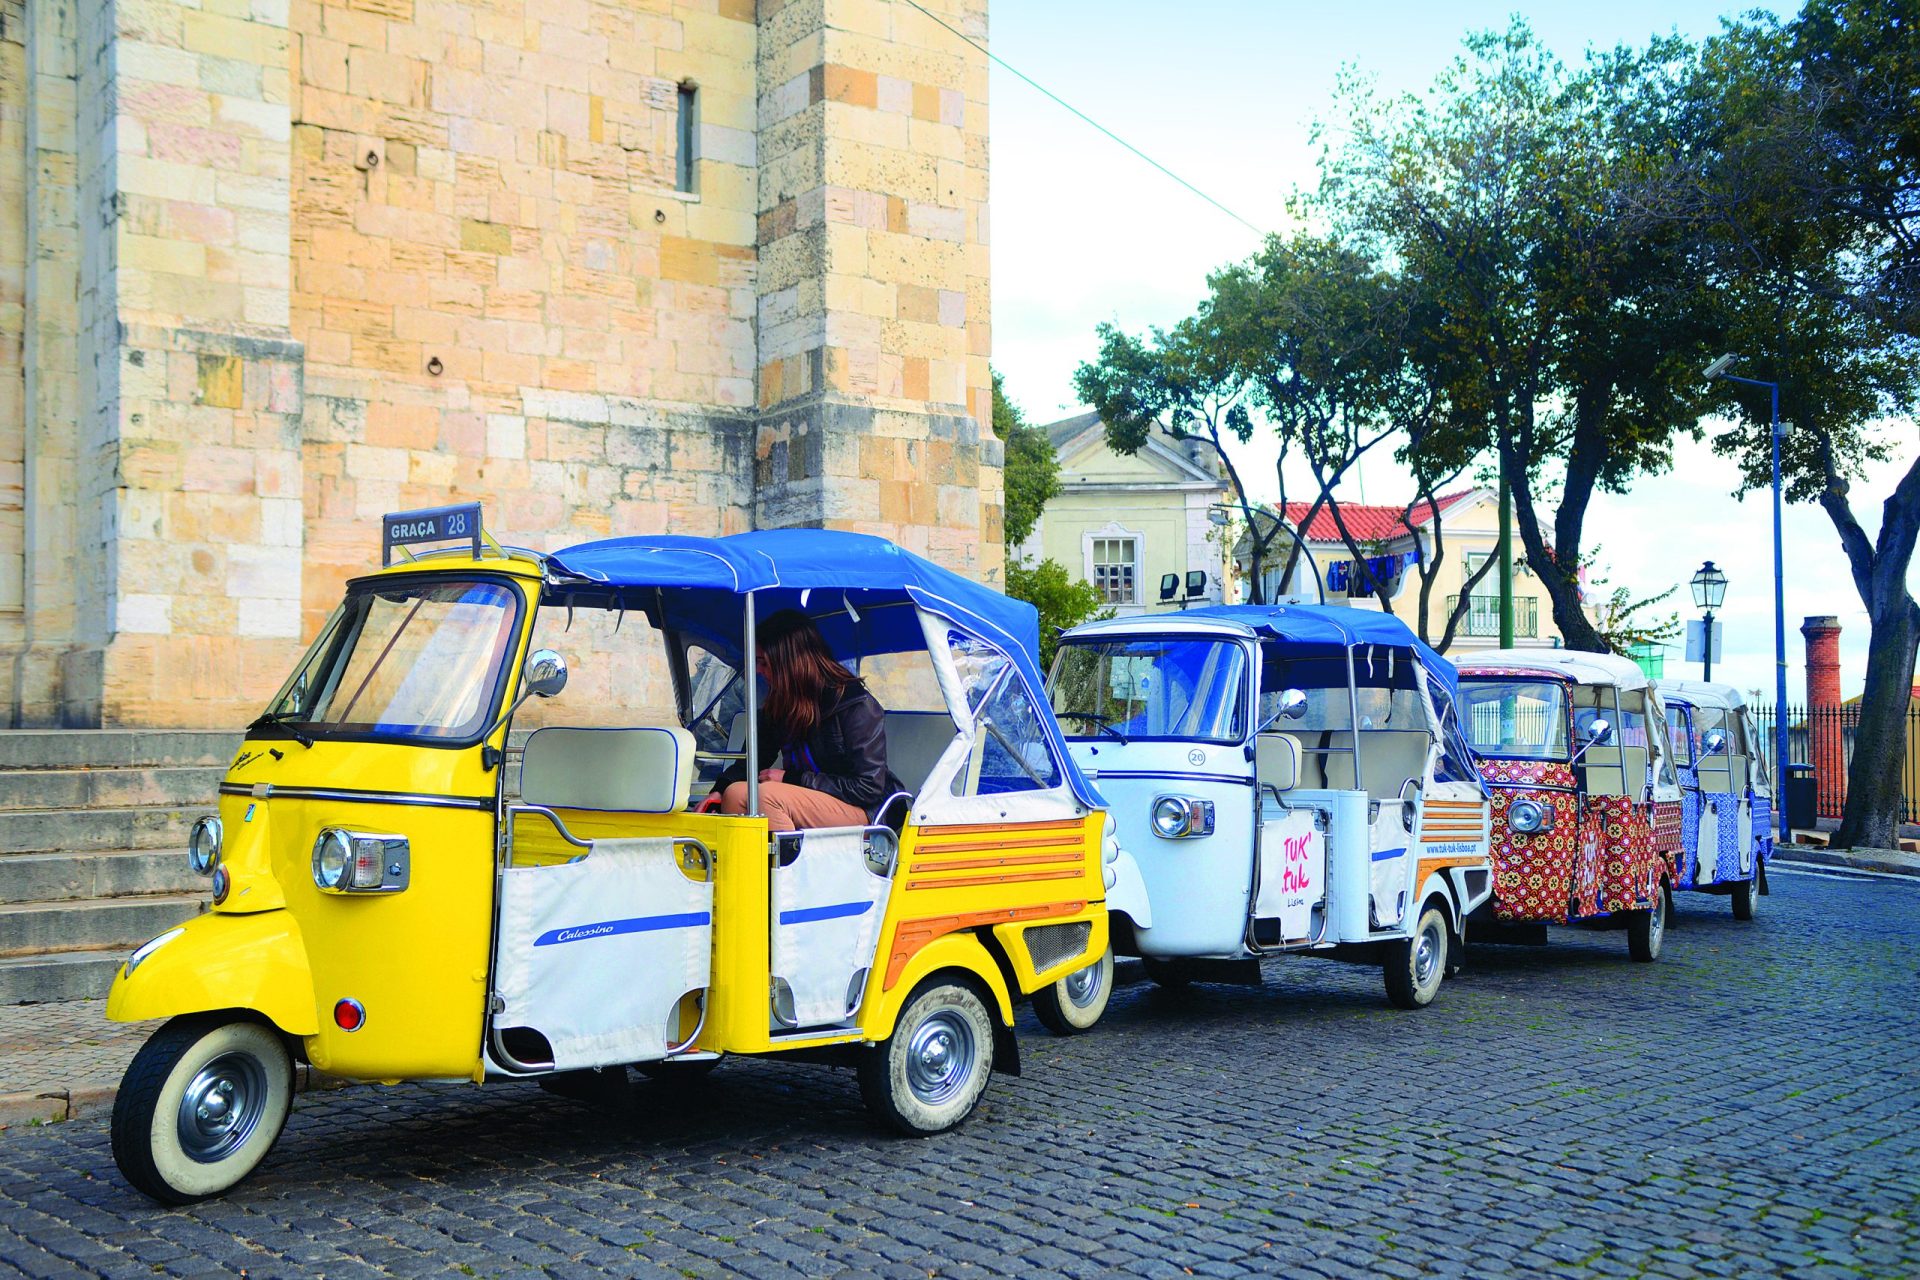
x=1744, y=1107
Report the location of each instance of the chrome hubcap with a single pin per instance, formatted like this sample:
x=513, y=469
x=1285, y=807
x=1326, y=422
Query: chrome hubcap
x=221, y=1107
x=940, y=1058
x=1084, y=986
x=1426, y=956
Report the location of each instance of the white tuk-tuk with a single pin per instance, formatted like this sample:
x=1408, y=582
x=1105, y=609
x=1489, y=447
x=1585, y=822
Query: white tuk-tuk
x=1726, y=793
x=1288, y=778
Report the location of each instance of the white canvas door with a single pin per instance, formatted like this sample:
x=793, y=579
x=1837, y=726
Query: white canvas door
x=597, y=954
x=1293, y=871
x=827, y=907
x=1389, y=867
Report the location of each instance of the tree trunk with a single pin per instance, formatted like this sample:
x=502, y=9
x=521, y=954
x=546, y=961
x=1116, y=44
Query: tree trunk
x=1874, y=795
x=1560, y=576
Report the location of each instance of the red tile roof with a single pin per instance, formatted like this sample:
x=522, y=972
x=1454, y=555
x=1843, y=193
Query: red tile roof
x=1368, y=523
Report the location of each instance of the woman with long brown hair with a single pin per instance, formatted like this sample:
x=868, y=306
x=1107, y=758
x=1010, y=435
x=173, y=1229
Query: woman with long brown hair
x=823, y=737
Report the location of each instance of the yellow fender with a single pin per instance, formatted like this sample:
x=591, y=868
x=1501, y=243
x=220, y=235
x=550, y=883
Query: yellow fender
x=255, y=962
x=961, y=951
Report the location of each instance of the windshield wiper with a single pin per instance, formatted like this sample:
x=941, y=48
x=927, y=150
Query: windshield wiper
x=1096, y=720
x=282, y=720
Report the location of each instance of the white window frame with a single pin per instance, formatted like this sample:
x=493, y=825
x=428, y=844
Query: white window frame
x=1113, y=532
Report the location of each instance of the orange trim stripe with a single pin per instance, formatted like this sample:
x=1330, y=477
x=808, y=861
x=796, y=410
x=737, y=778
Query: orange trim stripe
x=1020, y=860
x=987, y=828
x=1011, y=877
x=1427, y=866
x=984, y=846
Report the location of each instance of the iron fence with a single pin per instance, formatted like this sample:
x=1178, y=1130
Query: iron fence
x=1483, y=616
x=1824, y=737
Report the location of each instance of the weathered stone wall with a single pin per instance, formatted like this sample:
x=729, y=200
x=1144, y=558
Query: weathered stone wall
x=271, y=268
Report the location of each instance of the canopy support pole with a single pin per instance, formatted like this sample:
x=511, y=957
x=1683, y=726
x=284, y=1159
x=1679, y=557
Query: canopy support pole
x=749, y=679
x=1353, y=709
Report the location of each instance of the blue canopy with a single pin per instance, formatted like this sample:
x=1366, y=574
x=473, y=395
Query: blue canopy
x=860, y=590
x=1332, y=625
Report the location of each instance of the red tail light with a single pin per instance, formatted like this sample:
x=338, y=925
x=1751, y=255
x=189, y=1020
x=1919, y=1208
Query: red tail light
x=349, y=1015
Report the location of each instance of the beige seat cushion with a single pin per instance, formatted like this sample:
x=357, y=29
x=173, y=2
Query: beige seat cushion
x=1388, y=757
x=644, y=770
x=915, y=741
x=1277, y=760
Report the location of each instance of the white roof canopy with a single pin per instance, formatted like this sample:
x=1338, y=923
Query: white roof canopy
x=1568, y=664
x=1702, y=693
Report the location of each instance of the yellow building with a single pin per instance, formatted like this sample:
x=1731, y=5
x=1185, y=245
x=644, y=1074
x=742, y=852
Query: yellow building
x=269, y=270
x=1128, y=524
x=1394, y=540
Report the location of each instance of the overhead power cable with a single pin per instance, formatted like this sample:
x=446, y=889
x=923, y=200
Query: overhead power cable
x=1085, y=117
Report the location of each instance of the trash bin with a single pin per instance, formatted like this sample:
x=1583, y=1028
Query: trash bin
x=1802, y=798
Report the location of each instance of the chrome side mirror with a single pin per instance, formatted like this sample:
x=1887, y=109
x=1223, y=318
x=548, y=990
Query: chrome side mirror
x=1597, y=732
x=546, y=673
x=1293, y=705
x=1715, y=742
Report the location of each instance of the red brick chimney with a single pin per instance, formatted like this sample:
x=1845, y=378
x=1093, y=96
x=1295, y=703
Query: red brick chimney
x=1823, y=711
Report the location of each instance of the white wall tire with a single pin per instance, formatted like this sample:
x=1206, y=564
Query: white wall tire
x=1647, y=930
x=1076, y=1002
x=1415, y=968
x=929, y=1074
x=200, y=1106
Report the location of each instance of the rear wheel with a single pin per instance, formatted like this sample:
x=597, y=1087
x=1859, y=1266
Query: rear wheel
x=928, y=1075
x=1414, y=968
x=1646, y=930
x=1075, y=1003
x=200, y=1106
x=1746, y=897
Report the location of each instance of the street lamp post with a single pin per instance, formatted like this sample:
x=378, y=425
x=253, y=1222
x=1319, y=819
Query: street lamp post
x=1709, y=589
x=1718, y=369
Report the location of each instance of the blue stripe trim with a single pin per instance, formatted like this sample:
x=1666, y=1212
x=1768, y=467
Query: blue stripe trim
x=611, y=928
x=1387, y=855
x=839, y=910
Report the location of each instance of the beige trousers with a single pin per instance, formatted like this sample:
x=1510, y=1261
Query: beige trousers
x=791, y=808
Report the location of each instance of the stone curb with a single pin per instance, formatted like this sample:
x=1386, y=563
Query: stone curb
x=55, y=1106
x=1894, y=862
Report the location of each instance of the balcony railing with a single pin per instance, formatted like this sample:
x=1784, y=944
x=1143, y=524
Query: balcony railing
x=1483, y=616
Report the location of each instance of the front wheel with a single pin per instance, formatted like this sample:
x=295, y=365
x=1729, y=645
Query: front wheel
x=1075, y=1003
x=1746, y=897
x=927, y=1076
x=202, y=1103
x=1414, y=968
x=1646, y=930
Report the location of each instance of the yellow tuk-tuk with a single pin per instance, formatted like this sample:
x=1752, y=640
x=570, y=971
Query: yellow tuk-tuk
x=394, y=900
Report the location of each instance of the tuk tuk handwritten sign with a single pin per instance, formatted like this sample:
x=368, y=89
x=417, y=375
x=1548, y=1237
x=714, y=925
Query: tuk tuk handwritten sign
x=1293, y=872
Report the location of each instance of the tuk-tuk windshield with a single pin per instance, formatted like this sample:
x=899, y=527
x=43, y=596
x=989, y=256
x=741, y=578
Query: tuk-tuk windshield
x=1155, y=689
x=400, y=659
x=1516, y=718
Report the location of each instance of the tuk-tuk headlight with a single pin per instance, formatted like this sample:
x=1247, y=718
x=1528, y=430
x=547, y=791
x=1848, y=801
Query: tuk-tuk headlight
x=1177, y=817
x=1525, y=817
x=203, y=846
x=357, y=862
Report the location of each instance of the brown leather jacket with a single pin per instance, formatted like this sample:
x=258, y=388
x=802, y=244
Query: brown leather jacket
x=845, y=756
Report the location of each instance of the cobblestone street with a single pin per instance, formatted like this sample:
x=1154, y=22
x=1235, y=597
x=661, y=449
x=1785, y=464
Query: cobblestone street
x=1744, y=1107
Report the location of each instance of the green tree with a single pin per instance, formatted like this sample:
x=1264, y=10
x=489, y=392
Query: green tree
x=1563, y=311
x=1032, y=471
x=1804, y=186
x=1062, y=600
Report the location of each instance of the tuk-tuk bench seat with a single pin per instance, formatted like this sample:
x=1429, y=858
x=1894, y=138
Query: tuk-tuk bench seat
x=601, y=773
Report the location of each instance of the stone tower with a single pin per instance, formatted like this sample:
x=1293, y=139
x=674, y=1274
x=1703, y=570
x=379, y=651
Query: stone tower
x=269, y=269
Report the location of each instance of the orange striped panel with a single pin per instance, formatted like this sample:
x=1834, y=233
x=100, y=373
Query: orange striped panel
x=1012, y=860
x=1006, y=877
x=911, y=935
x=985, y=846
x=1427, y=866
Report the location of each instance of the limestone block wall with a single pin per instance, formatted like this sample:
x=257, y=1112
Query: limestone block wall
x=271, y=268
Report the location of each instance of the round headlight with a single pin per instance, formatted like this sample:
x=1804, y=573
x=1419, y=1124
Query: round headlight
x=222, y=885
x=203, y=846
x=1171, y=817
x=333, y=860
x=1526, y=816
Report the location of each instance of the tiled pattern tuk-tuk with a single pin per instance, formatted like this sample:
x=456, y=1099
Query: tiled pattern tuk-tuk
x=1726, y=790
x=1586, y=803
x=386, y=908
x=1287, y=779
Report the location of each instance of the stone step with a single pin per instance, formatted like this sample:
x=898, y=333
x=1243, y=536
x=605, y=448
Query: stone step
x=90, y=924
x=115, y=748
x=88, y=830
x=62, y=975
x=114, y=787
x=63, y=877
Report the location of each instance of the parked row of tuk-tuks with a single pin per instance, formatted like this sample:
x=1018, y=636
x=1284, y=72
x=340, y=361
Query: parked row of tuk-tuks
x=1199, y=790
